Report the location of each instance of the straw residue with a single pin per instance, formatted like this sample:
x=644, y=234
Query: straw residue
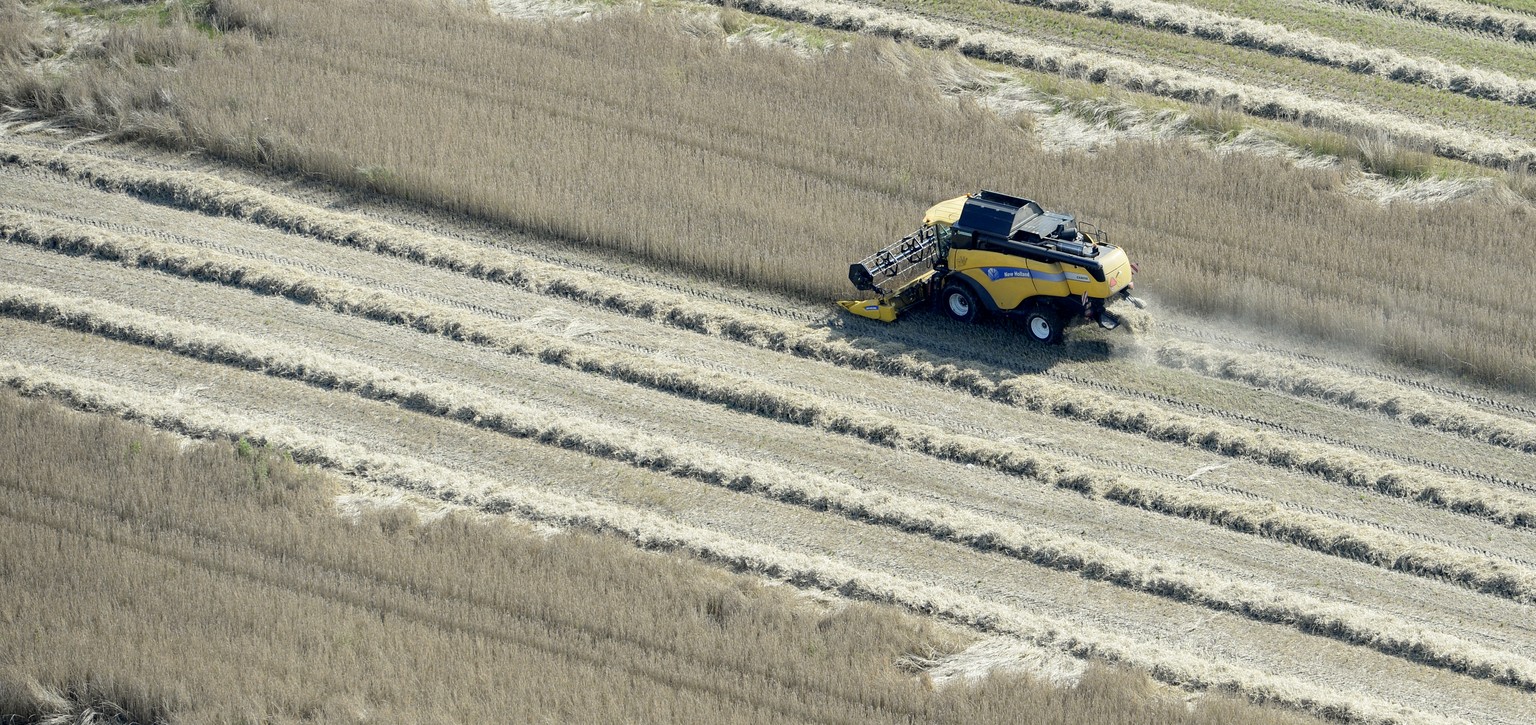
x=700, y=463
x=651, y=531
x=1351, y=391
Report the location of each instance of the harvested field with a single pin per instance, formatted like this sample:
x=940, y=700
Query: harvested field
x=1279, y=40
x=1296, y=524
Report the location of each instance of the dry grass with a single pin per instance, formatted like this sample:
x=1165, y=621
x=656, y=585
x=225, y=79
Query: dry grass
x=703, y=464
x=216, y=583
x=22, y=37
x=627, y=133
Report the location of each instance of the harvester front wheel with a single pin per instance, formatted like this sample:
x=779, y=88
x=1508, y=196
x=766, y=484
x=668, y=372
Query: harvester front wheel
x=1044, y=325
x=960, y=303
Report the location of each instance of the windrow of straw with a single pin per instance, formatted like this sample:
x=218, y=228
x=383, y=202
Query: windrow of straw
x=1143, y=77
x=651, y=531
x=153, y=579
x=1471, y=17
x=691, y=461
x=1329, y=462
x=1351, y=391
x=1262, y=518
x=1279, y=40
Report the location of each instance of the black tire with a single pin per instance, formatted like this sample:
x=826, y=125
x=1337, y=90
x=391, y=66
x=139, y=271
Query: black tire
x=960, y=303
x=1044, y=325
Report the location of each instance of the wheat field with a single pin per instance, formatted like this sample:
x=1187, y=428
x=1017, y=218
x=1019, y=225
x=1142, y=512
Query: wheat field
x=607, y=142
x=452, y=275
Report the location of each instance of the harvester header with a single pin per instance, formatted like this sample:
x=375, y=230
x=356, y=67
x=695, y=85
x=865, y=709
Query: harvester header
x=992, y=253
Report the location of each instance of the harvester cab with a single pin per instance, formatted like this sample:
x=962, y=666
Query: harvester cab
x=991, y=253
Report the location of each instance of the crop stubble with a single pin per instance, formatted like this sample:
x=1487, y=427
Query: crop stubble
x=764, y=332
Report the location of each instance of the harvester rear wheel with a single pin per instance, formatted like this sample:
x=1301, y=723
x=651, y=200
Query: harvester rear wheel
x=1044, y=325
x=960, y=303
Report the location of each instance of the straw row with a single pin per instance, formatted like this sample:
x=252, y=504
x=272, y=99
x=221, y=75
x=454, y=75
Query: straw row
x=652, y=531
x=1350, y=391
x=1319, y=533
x=691, y=461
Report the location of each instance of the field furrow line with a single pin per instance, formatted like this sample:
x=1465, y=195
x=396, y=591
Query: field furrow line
x=389, y=308
x=1356, y=393
x=1326, y=534
x=1279, y=40
x=536, y=252
x=1341, y=465
x=1355, y=625
x=1472, y=18
x=654, y=532
x=1528, y=415
x=1497, y=432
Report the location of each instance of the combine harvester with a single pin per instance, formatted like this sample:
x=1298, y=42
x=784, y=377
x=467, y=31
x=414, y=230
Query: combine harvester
x=991, y=253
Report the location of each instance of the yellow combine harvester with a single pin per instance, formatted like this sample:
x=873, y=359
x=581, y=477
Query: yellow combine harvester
x=999, y=254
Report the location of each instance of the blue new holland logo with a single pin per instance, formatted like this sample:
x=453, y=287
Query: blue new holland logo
x=997, y=273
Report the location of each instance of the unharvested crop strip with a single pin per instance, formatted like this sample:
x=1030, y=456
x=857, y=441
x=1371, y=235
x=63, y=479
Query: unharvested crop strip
x=1414, y=407
x=197, y=550
x=1281, y=41
x=1311, y=531
x=655, y=532
x=1044, y=548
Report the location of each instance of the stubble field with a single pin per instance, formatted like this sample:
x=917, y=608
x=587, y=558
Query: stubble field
x=1216, y=509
